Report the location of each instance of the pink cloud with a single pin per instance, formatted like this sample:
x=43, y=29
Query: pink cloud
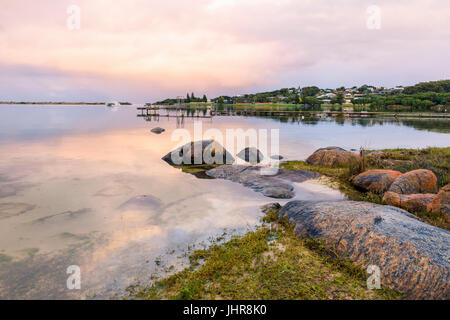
x=148, y=49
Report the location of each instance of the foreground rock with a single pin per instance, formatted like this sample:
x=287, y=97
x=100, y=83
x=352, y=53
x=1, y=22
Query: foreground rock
x=199, y=152
x=413, y=256
x=332, y=157
x=416, y=181
x=441, y=203
x=251, y=155
x=377, y=181
x=158, y=130
x=273, y=186
x=411, y=202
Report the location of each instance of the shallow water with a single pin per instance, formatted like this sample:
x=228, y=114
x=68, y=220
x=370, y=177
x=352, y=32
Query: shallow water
x=69, y=178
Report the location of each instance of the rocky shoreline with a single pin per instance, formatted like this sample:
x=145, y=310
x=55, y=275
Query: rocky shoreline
x=412, y=255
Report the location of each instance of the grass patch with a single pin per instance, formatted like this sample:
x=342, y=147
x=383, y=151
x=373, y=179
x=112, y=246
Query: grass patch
x=404, y=160
x=268, y=263
x=4, y=258
x=340, y=178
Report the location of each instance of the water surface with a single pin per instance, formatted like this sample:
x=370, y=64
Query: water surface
x=86, y=186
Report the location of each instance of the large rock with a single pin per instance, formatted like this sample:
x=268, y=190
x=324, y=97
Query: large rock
x=274, y=186
x=441, y=203
x=332, y=157
x=410, y=202
x=251, y=155
x=377, y=181
x=416, y=181
x=413, y=256
x=199, y=152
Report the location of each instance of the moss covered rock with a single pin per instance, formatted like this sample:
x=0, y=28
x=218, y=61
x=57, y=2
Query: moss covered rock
x=441, y=203
x=332, y=157
x=377, y=181
x=410, y=202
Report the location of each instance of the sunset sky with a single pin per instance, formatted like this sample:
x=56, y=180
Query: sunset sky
x=144, y=50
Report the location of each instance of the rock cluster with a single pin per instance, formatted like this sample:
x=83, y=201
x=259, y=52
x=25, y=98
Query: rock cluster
x=414, y=191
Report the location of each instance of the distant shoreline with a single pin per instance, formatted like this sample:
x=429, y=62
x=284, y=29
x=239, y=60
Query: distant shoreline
x=62, y=103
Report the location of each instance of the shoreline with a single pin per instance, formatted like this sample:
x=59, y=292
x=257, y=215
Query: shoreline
x=257, y=260
x=263, y=112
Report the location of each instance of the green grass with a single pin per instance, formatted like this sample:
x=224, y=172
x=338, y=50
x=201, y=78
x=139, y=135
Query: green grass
x=404, y=160
x=268, y=263
x=4, y=258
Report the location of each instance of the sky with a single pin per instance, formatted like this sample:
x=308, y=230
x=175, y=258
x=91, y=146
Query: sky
x=145, y=50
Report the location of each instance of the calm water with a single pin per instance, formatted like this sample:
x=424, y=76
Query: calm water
x=67, y=175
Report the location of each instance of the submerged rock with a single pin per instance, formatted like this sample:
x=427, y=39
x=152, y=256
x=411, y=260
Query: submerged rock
x=332, y=157
x=251, y=155
x=416, y=181
x=410, y=202
x=441, y=203
x=141, y=202
x=199, y=152
x=377, y=181
x=412, y=255
x=158, y=130
x=11, y=209
x=273, y=186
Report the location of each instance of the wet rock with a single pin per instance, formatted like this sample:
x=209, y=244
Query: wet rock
x=278, y=193
x=332, y=157
x=410, y=202
x=251, y=155
x=65, y=215
x=275, y=186
x=413, y=256
x=158, y=130
x=377, y=181
x=199, y=152
x=270, y=206
x=141, y=202
x=417, y=181
x=441, y=203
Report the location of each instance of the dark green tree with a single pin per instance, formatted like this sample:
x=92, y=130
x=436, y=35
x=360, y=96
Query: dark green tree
x=338, y=99
x=310, y=91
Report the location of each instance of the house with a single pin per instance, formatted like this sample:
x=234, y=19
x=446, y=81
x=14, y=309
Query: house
x=326, y=96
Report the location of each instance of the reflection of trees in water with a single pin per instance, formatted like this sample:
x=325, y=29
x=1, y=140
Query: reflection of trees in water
x=434, y=125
